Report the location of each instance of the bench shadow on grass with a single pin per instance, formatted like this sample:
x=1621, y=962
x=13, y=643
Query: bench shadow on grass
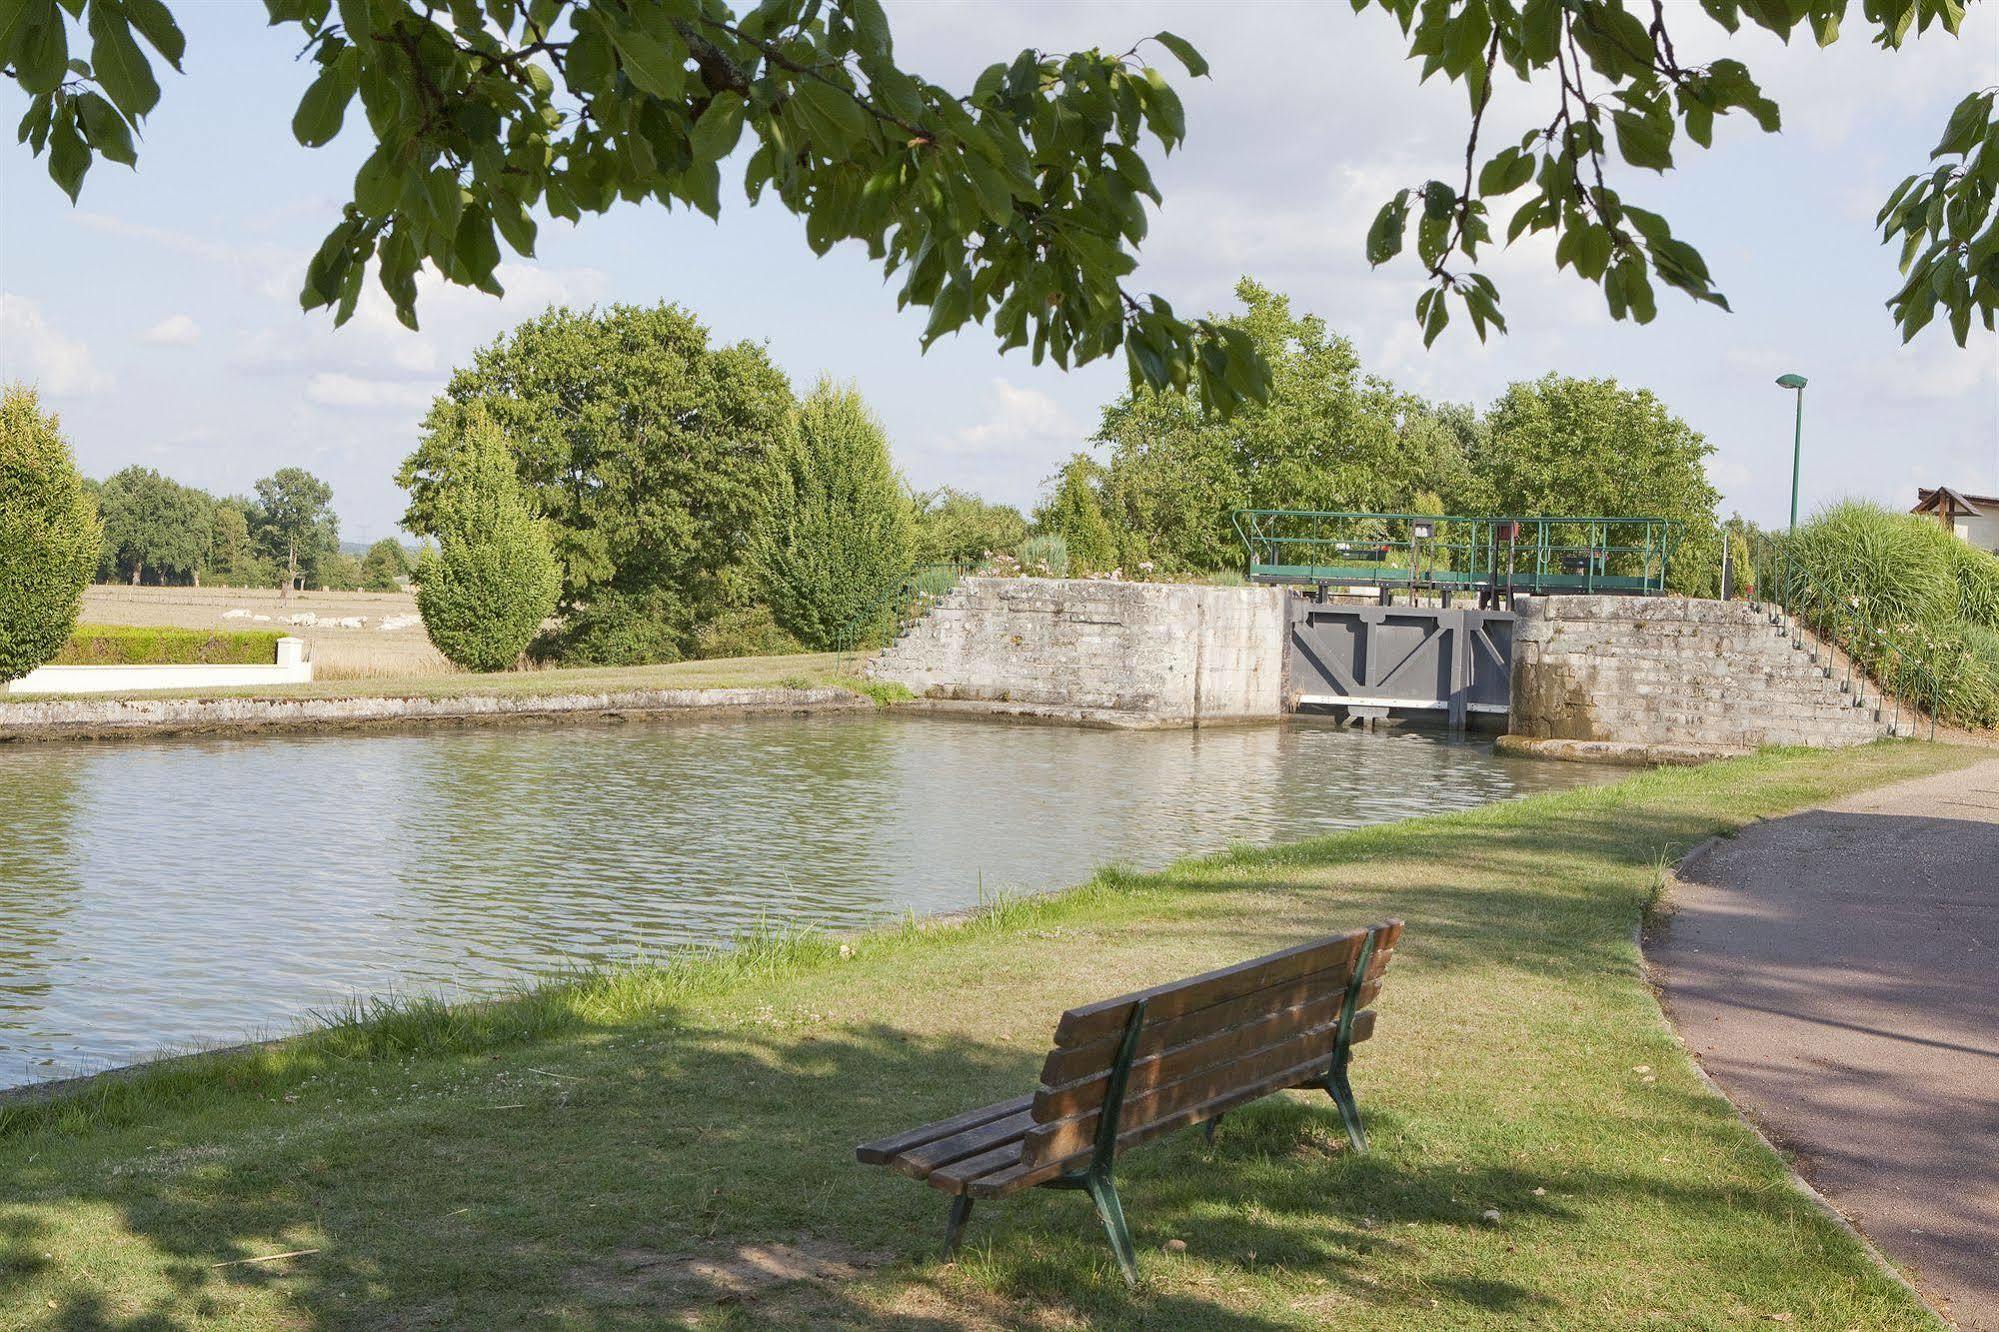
x=602, y=1202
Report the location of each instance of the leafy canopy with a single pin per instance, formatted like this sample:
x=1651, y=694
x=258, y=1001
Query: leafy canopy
x=1617, y=89
x=1074, y=513
x=292, y=522
x=837, y=533
x=645, y=447
x=1589, y=448
x=491, y=580
x=49, y=535
x=1017, y=204
x=1329, y=436
x=154, y=526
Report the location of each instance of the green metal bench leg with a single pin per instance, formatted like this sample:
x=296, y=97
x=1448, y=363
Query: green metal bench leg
x=1341, y=1091
x=1103, y=1192
x=954, y=1230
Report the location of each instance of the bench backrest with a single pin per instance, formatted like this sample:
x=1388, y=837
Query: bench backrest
x=1206, y=1043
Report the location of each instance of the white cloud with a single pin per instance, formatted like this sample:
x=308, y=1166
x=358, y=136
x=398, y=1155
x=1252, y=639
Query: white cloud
x=174, y=331
x=355, y=393
x=32, y=349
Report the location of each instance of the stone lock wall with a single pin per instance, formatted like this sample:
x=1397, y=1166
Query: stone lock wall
x=1677, y=672
x=1124, y=653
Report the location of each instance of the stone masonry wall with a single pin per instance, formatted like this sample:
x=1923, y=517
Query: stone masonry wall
x=1672, y=671
x=1145, y=653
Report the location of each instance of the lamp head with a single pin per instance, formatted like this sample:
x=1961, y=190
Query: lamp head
x=1791, y=381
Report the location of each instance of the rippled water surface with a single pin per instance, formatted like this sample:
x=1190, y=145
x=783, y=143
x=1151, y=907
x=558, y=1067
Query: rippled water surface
x=158, y=895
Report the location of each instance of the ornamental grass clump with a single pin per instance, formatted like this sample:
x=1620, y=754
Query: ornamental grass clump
x=486, y=587
x=49, y=534
x=1927, y=602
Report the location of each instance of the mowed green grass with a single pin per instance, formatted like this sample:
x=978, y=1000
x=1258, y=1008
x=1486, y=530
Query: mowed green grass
x=622, y=1151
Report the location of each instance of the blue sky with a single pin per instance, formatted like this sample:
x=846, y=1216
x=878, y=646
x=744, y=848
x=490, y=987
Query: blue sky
x=160, y=316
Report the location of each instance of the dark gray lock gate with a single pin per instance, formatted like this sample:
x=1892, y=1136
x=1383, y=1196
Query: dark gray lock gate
x=1373, y=660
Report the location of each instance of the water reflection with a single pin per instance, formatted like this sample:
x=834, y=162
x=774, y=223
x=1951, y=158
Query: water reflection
x=187, y=892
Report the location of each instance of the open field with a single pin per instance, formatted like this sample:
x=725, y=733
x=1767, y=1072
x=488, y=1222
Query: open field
x=367, y=662
x=337, y=653
x=664, y=1145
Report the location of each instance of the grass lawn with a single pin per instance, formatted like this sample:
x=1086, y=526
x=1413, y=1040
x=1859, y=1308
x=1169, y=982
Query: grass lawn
x=814, y=668
x=644, y=1149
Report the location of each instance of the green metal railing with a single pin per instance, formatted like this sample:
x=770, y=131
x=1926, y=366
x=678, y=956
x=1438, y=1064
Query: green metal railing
x=1898, y=659
x=1454, y=552
x=908, y=600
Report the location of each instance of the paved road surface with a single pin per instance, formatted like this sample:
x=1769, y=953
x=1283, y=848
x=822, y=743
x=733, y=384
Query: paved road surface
x=1837, y=972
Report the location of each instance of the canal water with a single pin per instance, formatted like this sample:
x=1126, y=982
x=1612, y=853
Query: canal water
x=187, y=892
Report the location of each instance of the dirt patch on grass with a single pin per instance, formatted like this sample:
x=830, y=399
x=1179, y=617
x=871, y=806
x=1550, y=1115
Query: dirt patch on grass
x=689, y=1281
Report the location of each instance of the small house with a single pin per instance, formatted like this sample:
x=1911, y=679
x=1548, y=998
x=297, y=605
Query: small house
x=1974, y=518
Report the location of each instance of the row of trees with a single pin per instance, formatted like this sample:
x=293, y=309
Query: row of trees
x=1333, y=437
x=157, y=530
x=693, y=506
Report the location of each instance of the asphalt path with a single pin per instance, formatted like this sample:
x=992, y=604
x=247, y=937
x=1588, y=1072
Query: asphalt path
x=1837, y=973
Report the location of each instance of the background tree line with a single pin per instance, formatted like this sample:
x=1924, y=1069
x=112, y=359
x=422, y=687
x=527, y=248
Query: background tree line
x=694, y=504
x=285, y=534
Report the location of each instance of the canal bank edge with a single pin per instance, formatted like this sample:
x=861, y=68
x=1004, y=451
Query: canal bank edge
x=105, y=719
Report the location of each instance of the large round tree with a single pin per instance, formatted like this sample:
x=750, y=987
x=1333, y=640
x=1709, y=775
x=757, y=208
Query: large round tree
x=491, y=580
x=838, y=530
x=646, y=447
x=49, y=536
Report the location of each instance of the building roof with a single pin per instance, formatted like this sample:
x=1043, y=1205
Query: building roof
x=1954, y=502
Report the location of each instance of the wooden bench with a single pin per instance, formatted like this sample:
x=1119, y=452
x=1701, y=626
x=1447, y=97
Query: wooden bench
x=1129, y=1069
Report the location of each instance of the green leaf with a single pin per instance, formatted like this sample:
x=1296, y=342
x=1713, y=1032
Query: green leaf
x=652, y=63
x=106, y=129
x=15, y=17
x=1384, y=238
x=1643, y=141
x=324, y=105
x=836, y=122
x=122, y=69
x=720, y=127
x=475, y=251
x=1181, y=47
x=156, y=24
x=870, y=27
x=69, y=156
x=42, y=52
x=378, y=185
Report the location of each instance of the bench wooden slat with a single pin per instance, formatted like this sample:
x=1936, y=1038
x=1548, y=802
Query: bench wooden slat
x=961, y=1176
x=1093, y=1022
x=1190, y=1057
x=882, y=1150
x=1069, y=1064
x=1023, y=1175
x=1066, y=1137
x=917, y=1162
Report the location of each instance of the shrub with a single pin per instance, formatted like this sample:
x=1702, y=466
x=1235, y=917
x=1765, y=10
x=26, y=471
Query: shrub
x=1975, y=573
x=492, y=578
x=747, y=631
x=1892, y=564
x=1047, y=554
x=619, y=628
x=129, y=645
x=50, y=541
x=836, y=534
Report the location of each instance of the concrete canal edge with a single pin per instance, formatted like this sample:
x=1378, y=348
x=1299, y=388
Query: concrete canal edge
x=104, y=719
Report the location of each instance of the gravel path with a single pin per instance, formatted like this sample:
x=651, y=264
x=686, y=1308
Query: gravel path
x=1837, y=973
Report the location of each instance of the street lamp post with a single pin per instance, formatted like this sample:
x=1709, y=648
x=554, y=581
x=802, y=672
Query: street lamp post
x=1797, y=439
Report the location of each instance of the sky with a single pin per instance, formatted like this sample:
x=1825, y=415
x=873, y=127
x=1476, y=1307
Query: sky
x=160, y=315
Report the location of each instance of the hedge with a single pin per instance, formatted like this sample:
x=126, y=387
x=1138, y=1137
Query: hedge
x=123, y=645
